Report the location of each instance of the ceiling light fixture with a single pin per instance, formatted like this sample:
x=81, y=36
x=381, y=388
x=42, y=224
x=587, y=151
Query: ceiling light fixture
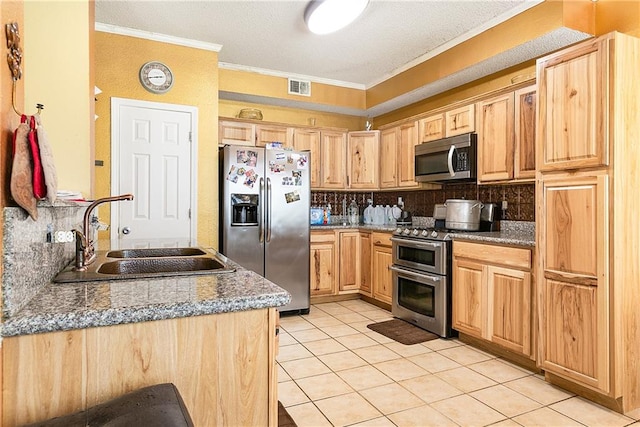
x=327, y=16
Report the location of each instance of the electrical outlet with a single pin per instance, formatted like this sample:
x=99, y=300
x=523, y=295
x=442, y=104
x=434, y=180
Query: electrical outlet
x=504, y=205
x=63, y=236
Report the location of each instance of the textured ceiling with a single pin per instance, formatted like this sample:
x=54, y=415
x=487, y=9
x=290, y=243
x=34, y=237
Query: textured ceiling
x=388, y=38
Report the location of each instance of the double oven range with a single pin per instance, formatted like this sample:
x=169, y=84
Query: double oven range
x=421, y=273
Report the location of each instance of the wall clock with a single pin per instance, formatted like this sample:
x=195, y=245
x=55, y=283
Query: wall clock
x=156, y=77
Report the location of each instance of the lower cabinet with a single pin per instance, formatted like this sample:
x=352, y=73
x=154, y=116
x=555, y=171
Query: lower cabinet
x=350, y=261
x=492, y=294
x=323, y=263
x=381, y=260
x=222, y=364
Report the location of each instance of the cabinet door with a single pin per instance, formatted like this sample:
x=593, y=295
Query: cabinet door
x=349, y=261
x=309, y=140
x=408, y=139
x=525, y=133
x=431, y=128
x=469, y=312
x=382, y=278
x=495, y=139
x=322, y=269
x=333, y=168
x=236, y=133
x=574, y=282
x=363, y=159
x=509, y=294
x=365, y=263
x=460, y=120
x=573, y=95
x=388, y=152
x=270, y=133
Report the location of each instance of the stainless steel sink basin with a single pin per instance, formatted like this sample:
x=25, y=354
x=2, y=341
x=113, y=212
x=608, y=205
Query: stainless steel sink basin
x=155, y=252
x=159, y=265
x=128, y=264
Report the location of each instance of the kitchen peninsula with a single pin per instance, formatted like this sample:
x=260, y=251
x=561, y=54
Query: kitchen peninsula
x=75, y=345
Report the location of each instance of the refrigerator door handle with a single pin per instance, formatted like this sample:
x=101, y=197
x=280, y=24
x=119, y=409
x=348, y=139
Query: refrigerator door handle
x=261, y=221
x=268, y=211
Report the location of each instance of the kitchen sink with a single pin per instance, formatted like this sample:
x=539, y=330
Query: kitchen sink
x=130, y=264
x=155, y=252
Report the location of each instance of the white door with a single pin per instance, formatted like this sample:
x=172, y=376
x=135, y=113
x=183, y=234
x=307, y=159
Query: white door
x=153, y=158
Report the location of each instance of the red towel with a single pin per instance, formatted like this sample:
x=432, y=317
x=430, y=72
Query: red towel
x=39, y=185
x=21, y=171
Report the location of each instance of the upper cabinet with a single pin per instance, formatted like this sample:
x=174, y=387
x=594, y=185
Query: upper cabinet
x=333, y=159
x=460, y=120
x=495, y=138
x=362, y=161
x=431, y=128
x=236, y=133
x=309, y=140
x=506, y=136
x=525, y=133
x=272, y=133
x=397, y=148
x=573, y=95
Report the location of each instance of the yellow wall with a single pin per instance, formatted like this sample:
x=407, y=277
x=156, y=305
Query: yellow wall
x=293, y=116
x=57, y=74
x=118, y=61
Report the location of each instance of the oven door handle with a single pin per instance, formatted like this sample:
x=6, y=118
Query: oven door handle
x=414, y=243
x=418, y=276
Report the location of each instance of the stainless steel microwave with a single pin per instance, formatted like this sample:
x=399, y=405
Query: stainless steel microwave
x=447, y=159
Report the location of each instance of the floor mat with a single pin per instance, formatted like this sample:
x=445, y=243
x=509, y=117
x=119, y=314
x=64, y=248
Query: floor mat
x=284, y=419
x=401, y=331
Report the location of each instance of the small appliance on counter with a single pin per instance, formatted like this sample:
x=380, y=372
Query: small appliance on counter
x=405, y=219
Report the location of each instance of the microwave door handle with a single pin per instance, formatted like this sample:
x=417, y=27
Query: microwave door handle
x=452, y=149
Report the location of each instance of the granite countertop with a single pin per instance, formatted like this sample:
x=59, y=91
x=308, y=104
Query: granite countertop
x=504, y=237
x=340, y=226
x=66, y=306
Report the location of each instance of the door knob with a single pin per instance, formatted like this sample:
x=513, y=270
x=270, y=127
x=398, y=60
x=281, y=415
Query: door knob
x=126, y=230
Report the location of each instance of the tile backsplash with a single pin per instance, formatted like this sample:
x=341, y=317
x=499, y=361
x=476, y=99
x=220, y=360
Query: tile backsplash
x=520, y=199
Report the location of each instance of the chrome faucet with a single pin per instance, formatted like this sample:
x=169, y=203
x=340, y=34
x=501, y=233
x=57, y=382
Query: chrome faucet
x=85, y=250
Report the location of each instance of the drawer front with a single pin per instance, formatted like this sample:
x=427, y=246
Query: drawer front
x=494, y=254
x=381, y=239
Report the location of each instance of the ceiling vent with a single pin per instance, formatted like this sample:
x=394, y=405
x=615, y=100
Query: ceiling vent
x=300, y=87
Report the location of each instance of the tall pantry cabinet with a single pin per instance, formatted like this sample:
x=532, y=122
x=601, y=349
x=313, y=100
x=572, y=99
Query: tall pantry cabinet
x=588, y=237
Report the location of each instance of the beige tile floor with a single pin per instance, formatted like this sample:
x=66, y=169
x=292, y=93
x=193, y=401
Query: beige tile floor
x=334, y=371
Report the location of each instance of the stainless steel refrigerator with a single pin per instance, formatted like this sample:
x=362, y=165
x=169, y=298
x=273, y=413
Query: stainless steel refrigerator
x=264, y=209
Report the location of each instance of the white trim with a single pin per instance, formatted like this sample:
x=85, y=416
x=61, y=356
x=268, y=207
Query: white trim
x=274, y=73
x=163, y=38
x=116, y=104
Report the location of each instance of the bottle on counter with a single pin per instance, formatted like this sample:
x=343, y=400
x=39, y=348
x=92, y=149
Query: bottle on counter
x=354, y=217
x=368, y=213
x=387, y=214
x=378, y=215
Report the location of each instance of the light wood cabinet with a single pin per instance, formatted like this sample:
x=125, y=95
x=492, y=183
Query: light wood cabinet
x=365, y=263
x=460, y=120
x=397, y=154
x=587, y=231
x=525, y=133
x=573, y=90
x=381, y=260
x=236, y=133
x=272, y=133
x=362, y=161
x=431, y=128
x=495, y=138
x=333, y=159
x=574, y=278
x=309, y=140
x=492, y=294
x=223, y=366
x=349, y=257
x=323, y=263
x=388, y=157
